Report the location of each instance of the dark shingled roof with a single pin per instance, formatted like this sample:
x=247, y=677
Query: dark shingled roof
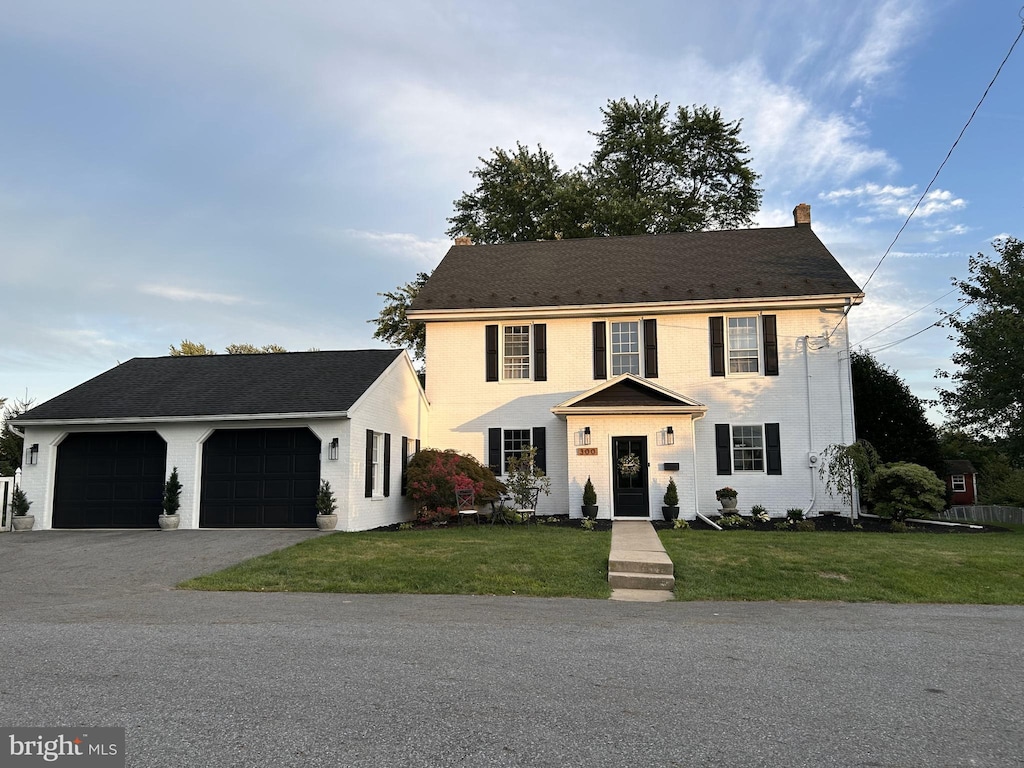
x=221, y=385
x=678, y=267
x=959, y=467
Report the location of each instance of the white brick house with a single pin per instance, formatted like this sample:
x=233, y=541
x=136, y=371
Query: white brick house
x=717, y=358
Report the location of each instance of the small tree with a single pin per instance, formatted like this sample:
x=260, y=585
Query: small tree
x=172, y=494
x=845, y=467
x=325, y=501
x=903, y=490
x=671, y=494
x=589, y=494
x=434, y=476
x=19, y=503
x=523, y=476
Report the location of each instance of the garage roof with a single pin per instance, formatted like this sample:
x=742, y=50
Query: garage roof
x=221, y=385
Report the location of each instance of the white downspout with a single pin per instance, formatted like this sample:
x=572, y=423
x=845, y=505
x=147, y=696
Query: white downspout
x=854, y=494
x=810, y=422
x=693, y=454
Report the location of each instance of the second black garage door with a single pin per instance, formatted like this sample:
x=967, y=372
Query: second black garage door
x=260, y=478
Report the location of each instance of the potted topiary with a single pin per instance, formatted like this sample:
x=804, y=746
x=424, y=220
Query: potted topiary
x=589, y=507
x=21, y=520
x=726, y=497
x=169, y=517
x=671, y=508
x=326, y=519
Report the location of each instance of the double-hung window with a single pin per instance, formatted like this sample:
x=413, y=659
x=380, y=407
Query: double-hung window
x=743, y=348
x=513, y=443
x=748, y=448
x=378, y=464
x=625, y=348
x=516, y=351
x=376, y=467
x=959, y=483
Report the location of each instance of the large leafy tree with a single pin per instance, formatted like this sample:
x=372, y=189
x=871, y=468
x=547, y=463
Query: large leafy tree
x=652, y=171
x=193, y=348
x=890, y=416
x=11, y=443
x=987, y=393
x=394, y=327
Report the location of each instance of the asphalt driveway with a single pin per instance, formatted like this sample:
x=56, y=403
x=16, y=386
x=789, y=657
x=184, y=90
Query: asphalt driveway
x=92, y=635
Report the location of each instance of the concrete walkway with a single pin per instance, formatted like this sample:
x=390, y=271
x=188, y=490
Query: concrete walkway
x=639, y=569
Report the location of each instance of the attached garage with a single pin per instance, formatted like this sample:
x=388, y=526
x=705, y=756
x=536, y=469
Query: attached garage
x=109, y=480
x=260, y=478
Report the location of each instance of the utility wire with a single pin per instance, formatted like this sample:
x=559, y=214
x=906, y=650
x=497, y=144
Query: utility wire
x=942, y=164
x=936, y=324
x=907, y=317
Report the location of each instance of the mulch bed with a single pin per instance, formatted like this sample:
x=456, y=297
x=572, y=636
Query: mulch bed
x=838, y=523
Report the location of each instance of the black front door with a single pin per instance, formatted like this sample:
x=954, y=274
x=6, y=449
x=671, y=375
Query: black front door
x=629, y=470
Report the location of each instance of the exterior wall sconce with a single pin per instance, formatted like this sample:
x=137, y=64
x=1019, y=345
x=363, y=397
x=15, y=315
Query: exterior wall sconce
x=33, y=453
x=586, y=435
x=332, y=449
x=670, y=436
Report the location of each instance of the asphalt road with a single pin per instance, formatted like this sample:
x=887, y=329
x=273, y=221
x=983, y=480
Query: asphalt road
x=92, y=635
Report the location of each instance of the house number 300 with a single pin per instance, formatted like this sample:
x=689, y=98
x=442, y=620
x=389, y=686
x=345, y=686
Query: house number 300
x=586, y=451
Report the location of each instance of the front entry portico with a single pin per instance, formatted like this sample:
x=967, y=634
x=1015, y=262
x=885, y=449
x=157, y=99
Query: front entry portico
x=630, y=437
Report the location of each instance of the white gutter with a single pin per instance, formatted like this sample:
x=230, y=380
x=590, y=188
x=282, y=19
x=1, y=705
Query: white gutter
x=930, y=522
x=854, y=492
x=710, y=522
x=172, y=419
x=693, y=455
x=637, y=308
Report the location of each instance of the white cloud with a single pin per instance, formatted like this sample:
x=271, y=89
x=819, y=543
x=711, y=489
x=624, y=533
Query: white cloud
x=188, y=294
x=421, y=251
x=891, y=201
x=892, y=29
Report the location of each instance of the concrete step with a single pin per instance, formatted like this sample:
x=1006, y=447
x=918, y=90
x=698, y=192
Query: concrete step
x=640, y=562
x=620, y=580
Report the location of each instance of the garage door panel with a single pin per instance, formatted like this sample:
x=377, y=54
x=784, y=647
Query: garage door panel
x=109, y=479
x=250, y=478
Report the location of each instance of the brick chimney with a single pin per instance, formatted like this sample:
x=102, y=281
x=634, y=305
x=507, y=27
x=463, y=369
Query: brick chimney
x=802, y=215
x=463, y=240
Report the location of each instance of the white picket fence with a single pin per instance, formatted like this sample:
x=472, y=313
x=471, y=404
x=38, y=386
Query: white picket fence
x=984, y=514
x=7, y=486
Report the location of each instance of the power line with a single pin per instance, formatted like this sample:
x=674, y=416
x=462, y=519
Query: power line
x=907, y=317
x=942, y=164
x=936, y=324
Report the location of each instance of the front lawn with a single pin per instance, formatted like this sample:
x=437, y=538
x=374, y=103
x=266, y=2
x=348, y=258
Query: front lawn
x=855, y=567
x=539, y=561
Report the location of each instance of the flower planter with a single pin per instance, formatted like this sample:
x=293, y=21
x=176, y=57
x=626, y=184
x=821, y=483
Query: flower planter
x=728, y=503
x=670, y=513
x=326, y=522
x=589, y=511
x=23, y=522
x=169, y=522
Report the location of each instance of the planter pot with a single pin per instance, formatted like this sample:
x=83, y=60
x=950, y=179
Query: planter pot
x=169, y=522
x=589, y=510
x=728, y=503
x=670, y=513
x=326, y=522
x=23, y=522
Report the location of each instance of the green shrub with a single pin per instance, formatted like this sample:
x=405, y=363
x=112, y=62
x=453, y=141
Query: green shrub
x=794, y=514
x=733, y=522
x=680, y=525
x=433, y=476
x=903, y=490
x=325, y=501
x=671, y=494
x=589, y=494
x=19, y=503
x=172, y=494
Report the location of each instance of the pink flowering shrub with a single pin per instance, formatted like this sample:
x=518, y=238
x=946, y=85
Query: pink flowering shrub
x=434, y=476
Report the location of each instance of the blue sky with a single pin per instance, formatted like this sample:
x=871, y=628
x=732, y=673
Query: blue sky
x=257, y=171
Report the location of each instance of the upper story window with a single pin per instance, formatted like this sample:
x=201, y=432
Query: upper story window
x=516, y=351
x=744, y=353
x=625, y=348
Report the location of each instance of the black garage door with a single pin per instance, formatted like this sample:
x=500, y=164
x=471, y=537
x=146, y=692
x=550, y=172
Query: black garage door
x=255, y=478
x=109, y=480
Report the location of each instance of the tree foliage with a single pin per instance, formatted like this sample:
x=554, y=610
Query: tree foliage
x=433, y=477
x=12, y=445
x=890, y=416
x=192, y=348
x=394, y=327
x=903, y=490
x=999, y=482
x=987, y=394
x=846, y=467
x=172, y=493
x=651, y=172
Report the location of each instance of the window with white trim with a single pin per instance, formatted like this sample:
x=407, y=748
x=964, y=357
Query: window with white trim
x=959, y=483
x=377, y=464
x=741, y=340
x=625, y=351
x=513, y=443
x=515, y=351
x=748, y=448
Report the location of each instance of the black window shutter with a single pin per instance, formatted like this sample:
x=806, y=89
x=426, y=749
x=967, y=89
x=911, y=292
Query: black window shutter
x=773, y=444
x=405, y=465
x=723, y=448
x=369, y=463
x=540, y=352
x=417, y=446
x=771, y=346
x=387, y=463
x=717, y=326
x=494, y=450
x=600, y=351
x=540, y=443
x=491, y=342
x=651, y=349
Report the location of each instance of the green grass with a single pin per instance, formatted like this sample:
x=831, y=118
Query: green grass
x=854, y=567
x=539, y=561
